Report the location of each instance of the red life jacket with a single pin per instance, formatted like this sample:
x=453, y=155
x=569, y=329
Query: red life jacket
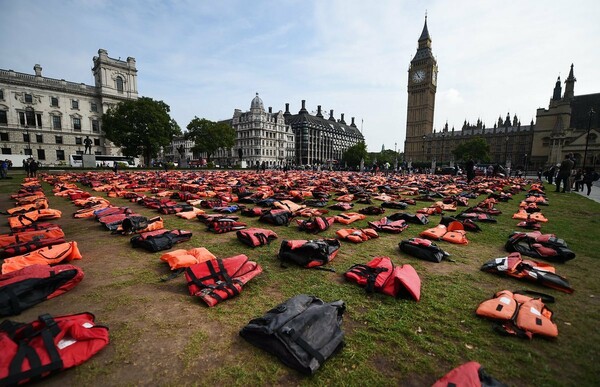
x=356, y=235
x=386, y=225
x=469, y=374
x=21, y=289
x=219, y=279
x=225, y=225
x=380, y=275
x=26, y=247
x=47, y=345
x=307, y=253
x=315, y=225
x=256, y=236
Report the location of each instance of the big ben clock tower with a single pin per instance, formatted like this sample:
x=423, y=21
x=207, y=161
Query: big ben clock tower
x=422, y=85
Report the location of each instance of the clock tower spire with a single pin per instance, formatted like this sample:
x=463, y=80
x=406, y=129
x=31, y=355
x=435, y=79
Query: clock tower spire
x=422, y=86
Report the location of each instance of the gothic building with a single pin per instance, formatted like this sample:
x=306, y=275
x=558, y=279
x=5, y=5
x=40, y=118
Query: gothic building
x=570, y=124
x=320, y=140
x=49, y=118
x=422, y=86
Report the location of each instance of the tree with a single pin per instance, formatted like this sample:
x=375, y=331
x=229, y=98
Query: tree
x=140, y=127
x=209, y=136
x=476, y=149
x=354, y=154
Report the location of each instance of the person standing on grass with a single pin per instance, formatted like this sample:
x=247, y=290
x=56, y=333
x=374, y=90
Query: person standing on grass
x=589, y=177
x=4, y=169
x=564, y=173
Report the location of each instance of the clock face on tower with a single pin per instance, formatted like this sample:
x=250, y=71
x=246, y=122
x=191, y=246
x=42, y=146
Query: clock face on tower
x=418, y=76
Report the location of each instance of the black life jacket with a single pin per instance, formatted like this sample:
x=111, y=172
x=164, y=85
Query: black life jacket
x=175, y=209
x=394, y=204
x=302, y=332
x=468, y=374
x=26, y=247
x=537, y=245
x=24, y=288
x=316, y=202
x=159, y=240
x=256, y=236
x=372, y=210
x=315, y=225
x=307, y=253
x=209, y=218
x=410, y=218
x=47, y=345
x=423, y=249
x=380, y=275
x=277, y=217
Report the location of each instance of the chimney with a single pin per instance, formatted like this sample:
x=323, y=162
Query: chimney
x=342, y=119
x=319, y=114
x=331, y=116
x=270, y=109
x=287, y=110
x=353, y=124
x=303, y=110
x=38, y=70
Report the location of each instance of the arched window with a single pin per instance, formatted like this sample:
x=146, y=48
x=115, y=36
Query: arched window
x=119, y=82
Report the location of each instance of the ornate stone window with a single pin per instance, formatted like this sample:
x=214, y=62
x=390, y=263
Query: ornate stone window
x=54, y=101
x=94, y=106
x=77, y=124
x=75, y=104
x=28, y=98
x=56, y=122
x=119, y=84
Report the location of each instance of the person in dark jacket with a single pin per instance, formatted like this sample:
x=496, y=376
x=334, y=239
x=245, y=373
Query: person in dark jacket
x=589, y=177
x=564, y=173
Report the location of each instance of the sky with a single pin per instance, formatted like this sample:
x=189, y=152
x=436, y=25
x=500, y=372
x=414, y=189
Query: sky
x=206, y=58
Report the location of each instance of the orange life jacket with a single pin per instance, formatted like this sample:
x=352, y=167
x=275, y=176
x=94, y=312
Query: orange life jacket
x=48, y=255
x=456, y=234
x=356, y=235
x=38, y=204
x=33, y=216
x=349, y=217
x=28, y=236
x=521, y=314
x=436, y=233
x=185, y=258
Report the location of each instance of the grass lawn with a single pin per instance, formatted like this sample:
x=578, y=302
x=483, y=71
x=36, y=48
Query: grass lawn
x=162, y=336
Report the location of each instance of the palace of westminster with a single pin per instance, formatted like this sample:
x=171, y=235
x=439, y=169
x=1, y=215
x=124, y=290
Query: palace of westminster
x=49, y=119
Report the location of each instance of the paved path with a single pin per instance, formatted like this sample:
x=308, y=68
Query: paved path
x=595, y=194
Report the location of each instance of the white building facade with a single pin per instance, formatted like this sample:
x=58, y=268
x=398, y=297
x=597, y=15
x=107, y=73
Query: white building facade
x=261, y=137
x=49, y=119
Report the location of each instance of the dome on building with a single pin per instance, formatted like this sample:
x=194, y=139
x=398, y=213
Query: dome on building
x=257, y=103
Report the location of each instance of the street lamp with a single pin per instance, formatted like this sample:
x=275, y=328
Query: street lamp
x=423, y=148
x=525, y=167
x=587, y=137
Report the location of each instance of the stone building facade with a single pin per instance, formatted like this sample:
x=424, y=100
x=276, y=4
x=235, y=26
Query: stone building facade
x=570, y=124
x=49, y=119
x=320, y=140
x=262, y=136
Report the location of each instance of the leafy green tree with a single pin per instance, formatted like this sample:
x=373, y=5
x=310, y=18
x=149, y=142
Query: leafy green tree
x=388, y=156
x=354, y=154
x=140, y=127
x=477, y=149
x=209, y=136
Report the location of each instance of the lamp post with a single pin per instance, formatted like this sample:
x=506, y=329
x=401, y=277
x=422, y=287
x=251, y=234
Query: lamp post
x=587, y=137
x=525, y=167
x=423, y=148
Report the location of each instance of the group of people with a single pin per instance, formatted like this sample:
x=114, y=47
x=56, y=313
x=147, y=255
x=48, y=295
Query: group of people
x=31, y=166
x=571, y=179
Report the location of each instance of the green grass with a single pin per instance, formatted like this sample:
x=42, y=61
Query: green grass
x=388, y=341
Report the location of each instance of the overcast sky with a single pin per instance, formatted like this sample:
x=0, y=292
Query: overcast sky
x=207, y=58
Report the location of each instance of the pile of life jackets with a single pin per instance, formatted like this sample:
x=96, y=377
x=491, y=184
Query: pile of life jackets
x=541, y=273
x=308, y=253
x=537, y=245
x=519, y=314
x=453, y=233
x=216, y=280
x=380, y=275
x=356, y=235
